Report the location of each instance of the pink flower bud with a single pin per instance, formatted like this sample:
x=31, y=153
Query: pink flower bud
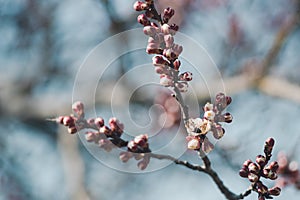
x=176, y=64
x=186, y=76
x=72, y=130
x=243, y=173
x=141, y=140
x=274, y=191
x=247, y=163
x=254, y=168
x=261, y=160
x=168, y=13
x=228, y=100
x=252, y=177
x=149, y=30
x=174, y=27
x=105, y=130
x=159, y=61
x=68, y=121
x=228, y=118
x=268, y=173
x=132, y=146
x=99, y=122
x=140, y=6
x=274, y=166
x=165, y=29
x=169, y=40
x=125, y=156
x=90, y=136
x=153, y=51
x=60, y=120
x=270, y=142
x=115, y=125
x=78, y=108
x=142, y=19
x=169, y=54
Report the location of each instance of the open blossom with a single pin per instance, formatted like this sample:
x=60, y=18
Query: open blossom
x=198, y=128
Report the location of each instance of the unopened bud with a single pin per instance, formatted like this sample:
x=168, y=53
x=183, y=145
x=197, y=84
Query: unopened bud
x=274, y=191
x=176, y=64
x=252, y=177
x=72, y=130
x=261, y=160
x=99, y=122
x=244, y=173
x=125, y=156
x=270, y=142
x=274, y=166
x=253, y=168
x=168, y=13
x=228, y=118
x=140, y=6
x=142, y=19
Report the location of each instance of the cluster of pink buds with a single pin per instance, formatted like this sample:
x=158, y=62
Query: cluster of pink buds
x=254, y=171
x=107, y=137
x=288, y=171
x=138, y=148
x=71, y=121
x=199, y=127
x=161, y=41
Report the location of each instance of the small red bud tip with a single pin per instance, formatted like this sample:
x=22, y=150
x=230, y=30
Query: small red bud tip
x=247, y=163
x=252, y=177
x=270, y=142
x=176, y=64
x=67, y=121
x=275, y=191
x=132, y=146
x=99, y=122
x=243, y=173
x=253, y=168
x=261, y=160
x=228, y=100
x=72, y=130
x=174, y=27
x=140, y=6
x=60, y=120
x=274, y=166
x=228, y=118
x=142, y=19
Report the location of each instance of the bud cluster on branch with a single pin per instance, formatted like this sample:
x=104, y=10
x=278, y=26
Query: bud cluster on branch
x=254, y=171
x=167, y=65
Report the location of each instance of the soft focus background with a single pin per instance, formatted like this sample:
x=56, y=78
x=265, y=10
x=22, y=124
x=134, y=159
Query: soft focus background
x=254, y=43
